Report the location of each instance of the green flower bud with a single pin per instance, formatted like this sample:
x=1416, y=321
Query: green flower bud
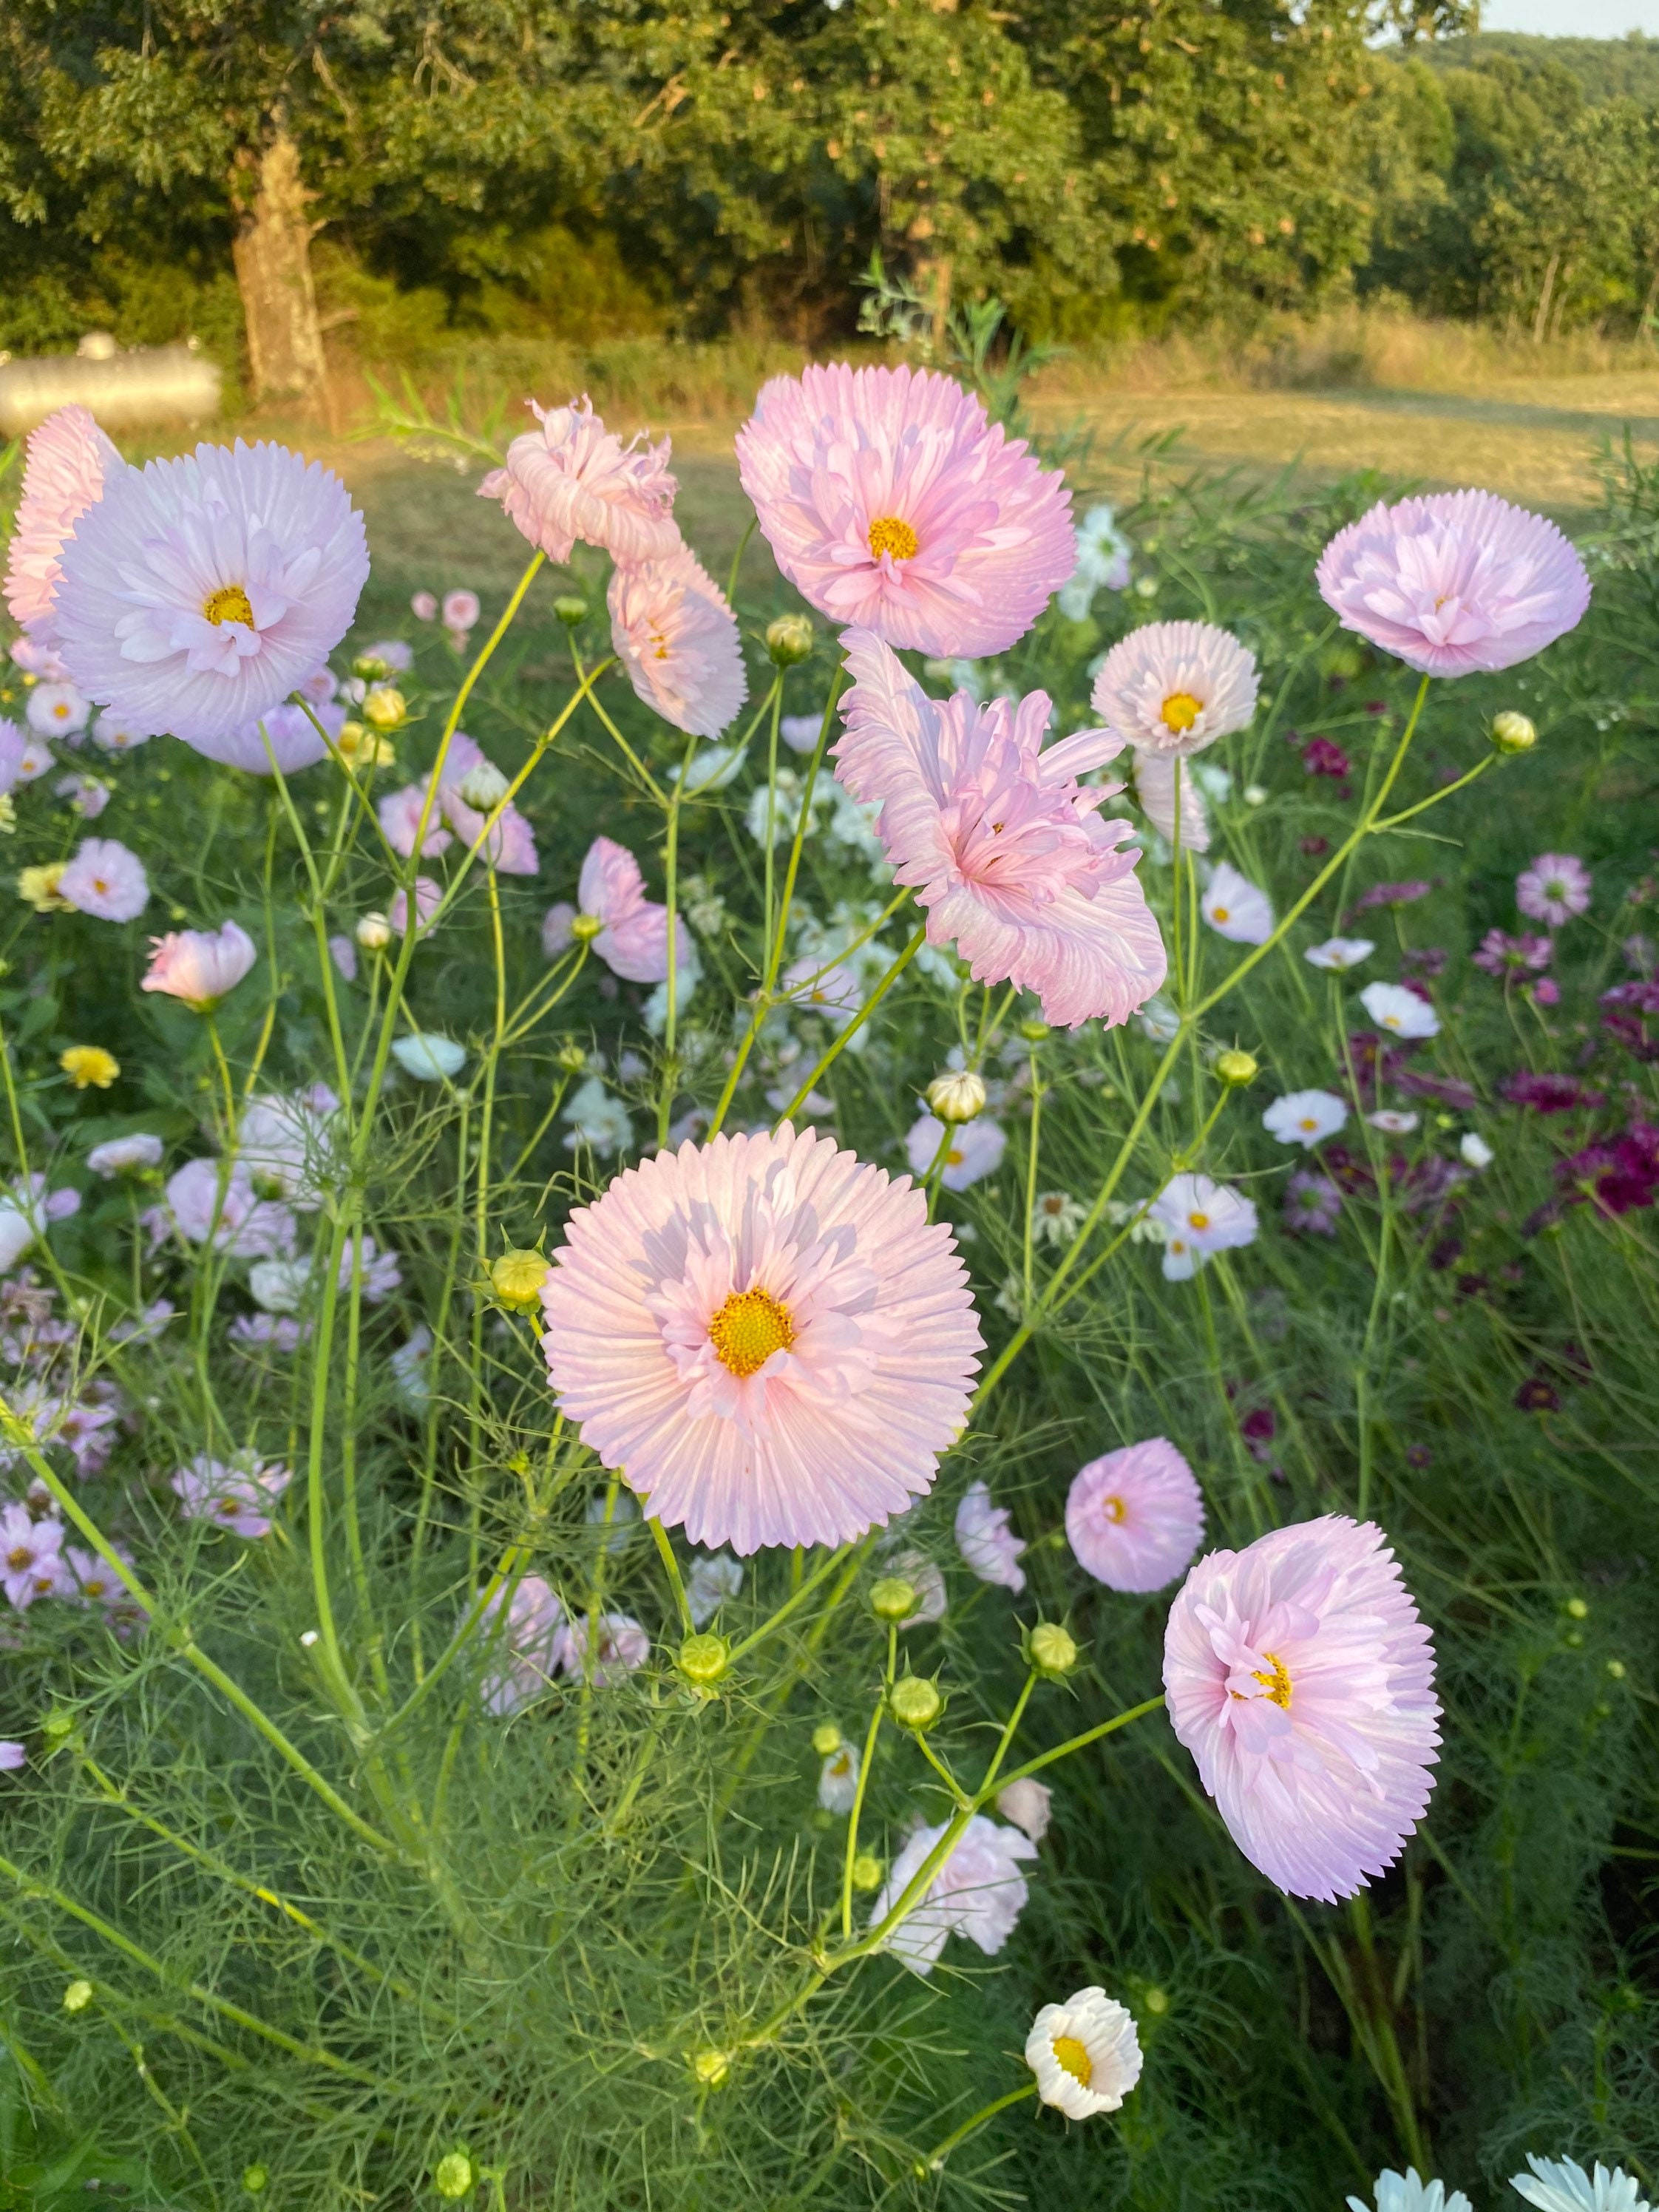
x=571, y=1058
x=826, y=1739
x=1577, y=1608
x=789, y=640
x=1034, y=1032
x=704, y=1659
x=1236, y=1068
x=1512, y=733
x=1051, y=1649
x=957, y=1096
x=255, y=2179
x=570, y=609
x=712, y=2068
x=585, y=927
x=454, y=2176
x=867, y=1871
x=77, y=1996
x=1156, y=2000
x=893, y=1598
x=516, y=1278
x=915, y=1702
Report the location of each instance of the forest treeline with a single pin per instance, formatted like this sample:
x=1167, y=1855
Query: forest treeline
x=1110, y=168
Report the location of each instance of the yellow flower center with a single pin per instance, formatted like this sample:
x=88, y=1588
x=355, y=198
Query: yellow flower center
x=1277, y=1684
x=1113, y=1509
x=1198, y=1221
x=889, y=535
x=1222, y=914
x=1071, y=2054
x=954, y=1159
x=230, y=603
x=61, y=710
x=21, y=1556
x=1390, y=1021
x=1179, y=711
x=747, y=1329
x=1306, y=1123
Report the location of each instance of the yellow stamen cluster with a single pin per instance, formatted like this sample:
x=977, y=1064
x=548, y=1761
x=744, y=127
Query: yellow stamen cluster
x=1071, y=2054
x=888, y=534
x=1179, y=711
x=747, y=1329
x=230, y=602
x=1277, y=1684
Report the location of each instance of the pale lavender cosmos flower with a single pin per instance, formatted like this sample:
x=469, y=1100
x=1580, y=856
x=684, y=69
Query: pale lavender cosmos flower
x=85, y=794
x=1199, y=1218
x=125, y=1155
x=1555, y=888
x=105, y=879
x=249, y=1226
x=975, y=1149
x=1135, y=1516
x=461, y=608
x=31, y=1556
x=57, y=710
x=527, y=1649
x=979, y=1892
x=12, y=1756
x=987, y=1541
x=629, y=931
x=620, y=1647
x=237, y=1494
x=285, y=734
x=1312, y=1204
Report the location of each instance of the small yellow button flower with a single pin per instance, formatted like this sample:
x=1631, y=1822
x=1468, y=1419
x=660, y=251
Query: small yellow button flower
x=89, y=1065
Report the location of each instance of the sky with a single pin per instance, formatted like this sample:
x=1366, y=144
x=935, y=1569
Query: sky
x=1582, y=19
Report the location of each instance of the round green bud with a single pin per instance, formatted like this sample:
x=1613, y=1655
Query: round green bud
x=1577, y=1608
x=454, y=2176
x=789, y=640
x=893, y=1598
x=1156, y=2000
x=826, y=1739
x=1574, y=1639
x=915, y=1702
x=255, y=2179
x=957, y=1096
x=57, y=1725
x=1236, y=1068
x=570, y=609
x=1513, y=733
x=371, y=667
x=516, y=1278
x=1034, y=1032
x=585, y=927
x=712, y=2068
x=571, y=1059
x=1052, y=1649
x=77, y=1996
x=704, y=1659
x=867, y=1871
x=1616, y=1669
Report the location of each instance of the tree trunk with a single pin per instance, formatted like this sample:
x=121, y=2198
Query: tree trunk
x=1540, y=320
x=272, y=253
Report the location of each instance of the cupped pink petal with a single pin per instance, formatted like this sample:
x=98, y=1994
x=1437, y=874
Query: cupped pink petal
x=68, y=460
x=572, y=478
x=676, y=636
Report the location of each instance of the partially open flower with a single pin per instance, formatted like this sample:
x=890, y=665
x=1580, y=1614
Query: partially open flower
x=1085, y=2054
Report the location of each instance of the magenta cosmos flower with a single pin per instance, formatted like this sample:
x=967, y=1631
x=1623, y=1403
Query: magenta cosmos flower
x=1458, y=581
x=1175, y=687
x=629, y=931
x=1302, y=1680
x=69, y=457
x=200, y=965
x=105, y=879
x=765, y=1337
x=675, y=635
x=1004, y=846
x=198, y=593
x=574, y=478
x=890, y=501
x=1555, y=888
x=1134, y=1517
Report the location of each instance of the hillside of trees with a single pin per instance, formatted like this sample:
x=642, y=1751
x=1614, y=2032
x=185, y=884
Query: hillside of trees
x=245, y=171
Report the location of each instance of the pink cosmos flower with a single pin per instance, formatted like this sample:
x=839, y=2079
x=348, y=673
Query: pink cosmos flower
x=1173, y=688
x=400, y=813
x=978, y=1893
x=250, y=1227
x=510, y=847
x=344, y=953
x=96, y=1583
x=765, y=1336
x=891, y=503
x=1555, y=888
x=831, y=990
x=1155, y=789
x=1235, y=908
x=1199, y=1218
x=428, y=896
x=31, y=1562
x=460, y=610
x=288, y=732
x=1313, y=1204
x=423, y=606
x=1301, y=1678
x=1028, y=1804
x=674, y=635
x=12, y=1757
x=198, y=592
x=1458, y=581
x=85, y=794
x=1009, y=856
x=632, y=937
x=528, y=1650
x=975, y=1149
x=574, y=478
x=1134, y=1517
x=68, y=459
x=987, y=1541
x=620, y=1646
x=57, y=710
x=236, y=1494
x=105, y=879
x=200, y=965
x=125, y=1155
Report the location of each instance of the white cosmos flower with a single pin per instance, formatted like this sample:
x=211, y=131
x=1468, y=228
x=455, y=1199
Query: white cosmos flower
x=1340, y=953
x=1305, y=1117
x=1409, y=2192
x=598, y=1119
x=711, y=1579
x=1475, y=1151
x=1392, y=1122
x=1200, y=1218
x=1235, y=908
x=1085, y=2054
x=1175, y=687
x=1400, y=1011
x=1562, y=2186
x=838, y=1780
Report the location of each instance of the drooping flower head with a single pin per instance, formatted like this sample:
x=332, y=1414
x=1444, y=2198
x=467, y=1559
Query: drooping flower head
x=1236, y=909
x=1175, y=687
x=987, y=1541
x=1009, y=857
x=1135, y=1516
x=764, y=1336
x=891, y=503
x=1555, y=888
x=200, y=965
x=1305, y=1117
x=979, y=1892
x=631, y=936
x=287, y=734
x=573, y=478
x=1199, y=1218
x=105, y=878
x=1085, y=2054
x=68, y=459
x=1301, y=1678
x=1453, y=582
x=198, y=592
x=676, y=636
x=1155, y=787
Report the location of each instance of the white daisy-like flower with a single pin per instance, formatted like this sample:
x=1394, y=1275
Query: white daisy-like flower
x=1200, y=1218
x=1562, y=2186
x=1236, y=908
x=1085, y=2054
x=1175, y=687
x=1474, y=1151
x=1409, y=2192
x=1305, y=1117
x=1393, y=1122
x=1338, y=954
x=838, y=1780
x=1400, y=1011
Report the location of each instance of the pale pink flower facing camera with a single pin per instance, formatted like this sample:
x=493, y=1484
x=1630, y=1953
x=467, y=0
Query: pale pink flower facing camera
x=979, y=1892
x=105, y=879
x=460, y=611
x=1009, y=857
x=1173, y=688
x=1301, y=1678
x=68, y=460
x=675, y=635
x=237, y=1494
x=974, y=1151
x=987, y=1541
x=890, y=501
x=1555, y=888
x=198, y=592
x=1455, y=582
x=1134, y=1517
x=572, y=478
x=629, y=931
x=1199, y=1218
x=57, y=710
x=765, y=1336
x=200, y=965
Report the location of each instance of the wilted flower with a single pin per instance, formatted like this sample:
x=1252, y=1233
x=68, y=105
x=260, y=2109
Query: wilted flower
x=1400, y=1011
x=987, y=1541
x=620, y=1646
x=973, y=1149
x=1102, y=564
x=1406, y=894
x=766, y=1335
x=676, y=636
x=237, y=1494
x=1301, y=1678
x=1474, y=1150
x=200, y=965
x=1175, y=688
x=979, y=1892
x=1056, y=1217
x=1235, y=908
x=1555, y=888
x=1340, y=953
x=1392, y=1122
x=1135, y=1516
x=204, y=1199
x=891, y=503
x=573, y=478
x=1085, y=2054
x=1028, y=1804
x=104, y=878
x=1305, y=1117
